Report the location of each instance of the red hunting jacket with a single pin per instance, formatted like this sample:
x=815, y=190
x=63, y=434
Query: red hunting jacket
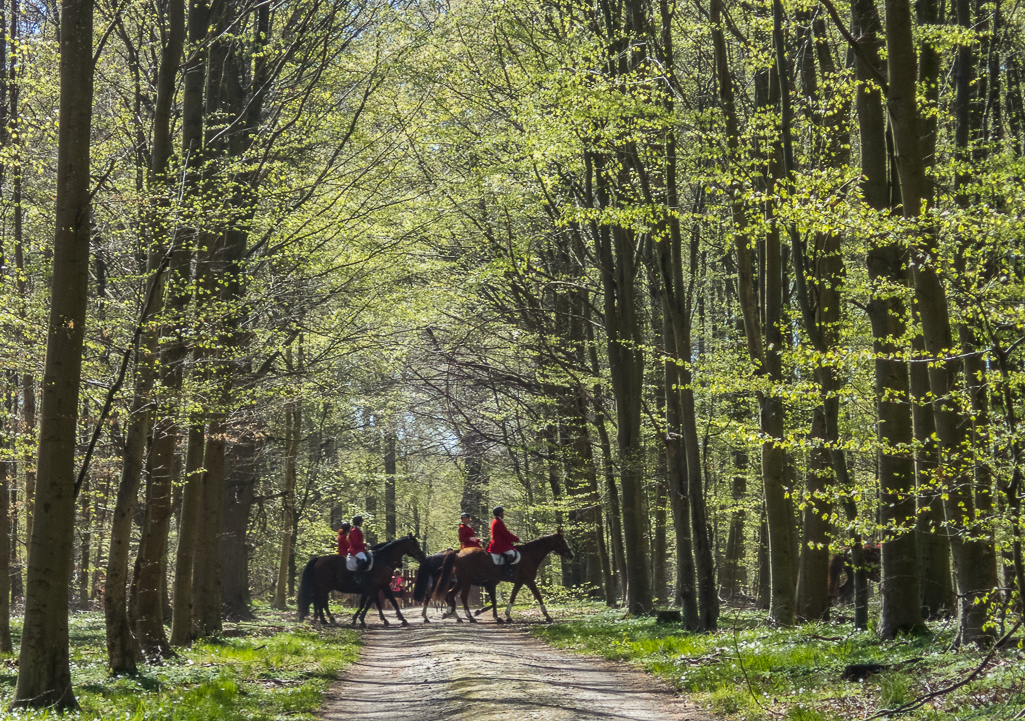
x=356, y=544
x=468, y=537
x=502, y=538
x=343, y=544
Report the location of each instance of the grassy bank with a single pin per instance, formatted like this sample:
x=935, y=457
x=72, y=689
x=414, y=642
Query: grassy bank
x=264, y=671
x=752, y=672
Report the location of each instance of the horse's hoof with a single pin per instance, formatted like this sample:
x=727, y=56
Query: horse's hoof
x=548, y=619
x=386, y=623
x=472, y=620
x=405, y=622
x=426, y=620
x=498, y=620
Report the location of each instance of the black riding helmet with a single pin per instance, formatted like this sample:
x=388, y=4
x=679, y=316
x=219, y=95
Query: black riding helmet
x=357, y=521
x=498, y=510
x=345, y=526
x=463, y=515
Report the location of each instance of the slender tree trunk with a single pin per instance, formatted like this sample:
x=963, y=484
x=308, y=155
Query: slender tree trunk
x=389, y=484
x=44, y=674
x=292, y=433
x=7, y=479
x=181, y=615
x=240, y=486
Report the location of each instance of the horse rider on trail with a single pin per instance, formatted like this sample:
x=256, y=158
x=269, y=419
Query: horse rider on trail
x=358, y=549
x=502, y=540
x=467, y=536
x=343, y=539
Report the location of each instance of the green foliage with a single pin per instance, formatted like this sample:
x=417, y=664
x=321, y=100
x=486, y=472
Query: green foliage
x=750, y=670
x=265, y=673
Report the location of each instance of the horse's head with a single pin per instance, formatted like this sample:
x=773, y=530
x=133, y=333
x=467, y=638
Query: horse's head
x=411, y=547
x=561, y=546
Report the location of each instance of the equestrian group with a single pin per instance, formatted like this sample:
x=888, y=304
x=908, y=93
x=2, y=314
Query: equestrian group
x=444, y=576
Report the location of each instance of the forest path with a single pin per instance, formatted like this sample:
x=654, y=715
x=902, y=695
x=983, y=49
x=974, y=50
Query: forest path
x=484, y=671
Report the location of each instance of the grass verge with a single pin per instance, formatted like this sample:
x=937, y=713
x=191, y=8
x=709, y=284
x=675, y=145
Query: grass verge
x=266, y=671
x=750, y=671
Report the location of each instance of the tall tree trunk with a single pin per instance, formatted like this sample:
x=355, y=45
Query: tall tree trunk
x=293, y=428
x=240, y=486
x=181, y=615
x=389, y=483
x=974, y=556
x=764, y=355
x=44, y=674
x=7, y=479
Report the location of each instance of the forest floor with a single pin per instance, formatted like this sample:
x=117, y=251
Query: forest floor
x=483, y=671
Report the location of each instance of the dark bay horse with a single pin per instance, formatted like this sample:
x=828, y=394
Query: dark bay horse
x=841, y=572
x=427, y=577
x=324, y=574
x=475, y=564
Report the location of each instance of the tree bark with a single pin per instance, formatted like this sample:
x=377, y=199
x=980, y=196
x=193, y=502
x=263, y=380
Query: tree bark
x=974, y=560
x=389, y=483
x=181, y=615
x=240, y=486
x=44, y=674
x=292, y=432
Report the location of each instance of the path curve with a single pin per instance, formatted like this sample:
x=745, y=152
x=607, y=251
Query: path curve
x=444, y=670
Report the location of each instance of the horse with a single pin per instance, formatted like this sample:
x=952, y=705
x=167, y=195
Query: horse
x=427, y=578
x=329, y=573
x=841, y=572
x=475, y=564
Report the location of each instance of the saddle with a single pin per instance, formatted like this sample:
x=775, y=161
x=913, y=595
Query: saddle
x=499, y=558
x=351, y=561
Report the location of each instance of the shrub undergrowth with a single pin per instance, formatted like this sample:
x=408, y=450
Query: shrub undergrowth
x=751, y=671
x=264, y=672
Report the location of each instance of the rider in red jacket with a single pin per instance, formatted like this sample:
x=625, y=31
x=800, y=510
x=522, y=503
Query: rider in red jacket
x=343, y=539
x=467, y=536
x=502, y=540
x=358, y=549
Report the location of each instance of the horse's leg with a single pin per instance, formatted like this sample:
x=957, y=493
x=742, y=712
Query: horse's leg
x=494, y=601
x=388, y=594
x=424, y=610
x=537, y=594
x=359, y=608
x=450, y=599
x=464, y=593
x=512, y=599
x=380, y=611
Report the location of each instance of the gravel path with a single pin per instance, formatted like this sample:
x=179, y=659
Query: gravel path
x=486, y=671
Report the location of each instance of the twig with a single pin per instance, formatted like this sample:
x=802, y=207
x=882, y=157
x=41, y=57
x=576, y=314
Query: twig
x=116, y=386
x=856, y=46
x=740, y=660
x=918, y=703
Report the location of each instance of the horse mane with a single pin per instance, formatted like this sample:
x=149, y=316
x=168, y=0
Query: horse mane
x=389, y=545
x=530, y=545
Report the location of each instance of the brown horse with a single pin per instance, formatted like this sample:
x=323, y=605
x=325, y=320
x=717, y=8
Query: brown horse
x=475, y=566
x=329, y=573
x=841, y=572
x=427, y=579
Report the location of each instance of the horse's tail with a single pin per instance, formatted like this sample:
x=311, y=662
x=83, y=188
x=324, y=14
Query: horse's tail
x=837, y=565
x=423, y=582
x=304, y=598
x=441, y=589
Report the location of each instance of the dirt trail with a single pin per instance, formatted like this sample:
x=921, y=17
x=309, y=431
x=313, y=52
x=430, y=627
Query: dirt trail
x=484, y=671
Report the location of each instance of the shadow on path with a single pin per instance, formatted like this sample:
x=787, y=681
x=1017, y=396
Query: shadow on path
x=489, y=671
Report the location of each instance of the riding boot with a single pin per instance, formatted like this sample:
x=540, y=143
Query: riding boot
x=360, y=576
x=508, y=572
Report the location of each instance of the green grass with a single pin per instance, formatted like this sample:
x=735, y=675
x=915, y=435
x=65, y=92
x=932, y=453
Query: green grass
x=269, y=672
x=751, y=671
